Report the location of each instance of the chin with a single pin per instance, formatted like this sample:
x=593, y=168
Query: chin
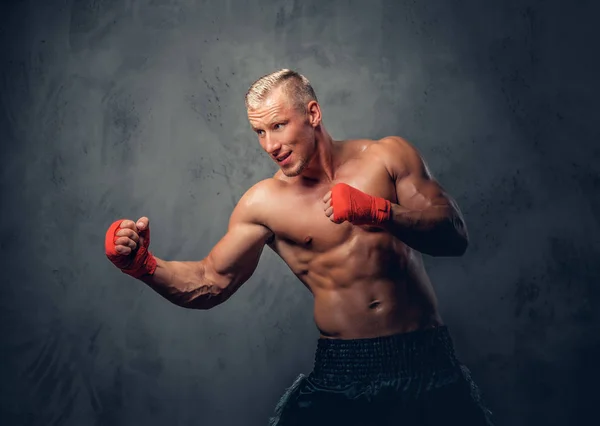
x=290, y=173
x=295, y=171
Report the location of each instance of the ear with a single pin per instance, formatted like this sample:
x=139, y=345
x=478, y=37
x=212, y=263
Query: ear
x=314, y=113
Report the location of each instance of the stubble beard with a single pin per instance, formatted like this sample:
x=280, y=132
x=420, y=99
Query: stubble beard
x=303, y=163
x=299, y=168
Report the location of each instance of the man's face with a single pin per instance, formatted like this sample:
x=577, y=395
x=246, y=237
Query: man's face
x=284, y=132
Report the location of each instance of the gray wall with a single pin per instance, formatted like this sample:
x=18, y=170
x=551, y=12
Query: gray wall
x=115, y=109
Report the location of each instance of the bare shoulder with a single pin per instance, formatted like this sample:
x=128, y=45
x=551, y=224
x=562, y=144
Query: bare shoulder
x=263, y=188
x=398, y=155
x=394, y=153
x=395, y=145
x=384, y=146
x=255, y=204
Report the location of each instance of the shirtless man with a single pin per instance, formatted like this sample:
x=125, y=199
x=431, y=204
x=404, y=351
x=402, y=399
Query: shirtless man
x=351, y=219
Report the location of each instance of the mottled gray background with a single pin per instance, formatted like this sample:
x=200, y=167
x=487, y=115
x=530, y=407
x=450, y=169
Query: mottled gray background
x=122, y=108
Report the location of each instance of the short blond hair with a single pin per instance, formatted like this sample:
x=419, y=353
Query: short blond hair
x=295, y=86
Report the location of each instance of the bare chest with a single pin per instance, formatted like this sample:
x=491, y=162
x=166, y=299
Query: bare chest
x=298, y=220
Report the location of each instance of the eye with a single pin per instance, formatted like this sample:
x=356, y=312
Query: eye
x=260, y=132
x=278, y=126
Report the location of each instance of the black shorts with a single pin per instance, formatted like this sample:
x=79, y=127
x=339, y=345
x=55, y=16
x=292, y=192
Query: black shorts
x=405, y=379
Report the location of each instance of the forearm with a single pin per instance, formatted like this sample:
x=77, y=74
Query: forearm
x=184, y=284
x=438, y=230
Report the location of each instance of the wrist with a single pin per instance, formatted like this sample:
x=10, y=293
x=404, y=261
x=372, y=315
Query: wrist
x=143, y=264
x=381, y=209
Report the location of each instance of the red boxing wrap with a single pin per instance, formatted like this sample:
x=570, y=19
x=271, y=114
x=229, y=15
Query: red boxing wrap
x=357, y=207
x=143, y=263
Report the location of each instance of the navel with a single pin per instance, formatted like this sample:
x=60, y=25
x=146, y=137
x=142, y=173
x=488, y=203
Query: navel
x=308, y=240
x=374, y=304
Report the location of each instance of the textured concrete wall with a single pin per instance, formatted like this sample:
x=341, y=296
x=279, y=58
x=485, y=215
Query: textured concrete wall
x=113, y=108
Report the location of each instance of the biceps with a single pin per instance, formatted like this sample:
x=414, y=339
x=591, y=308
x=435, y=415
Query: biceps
x=419, y=193
x=235, y=257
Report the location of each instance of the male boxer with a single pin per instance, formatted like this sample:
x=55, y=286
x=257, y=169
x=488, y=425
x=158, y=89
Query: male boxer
x=351, y=219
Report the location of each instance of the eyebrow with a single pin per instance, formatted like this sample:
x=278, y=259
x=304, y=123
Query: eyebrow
x=271, y=122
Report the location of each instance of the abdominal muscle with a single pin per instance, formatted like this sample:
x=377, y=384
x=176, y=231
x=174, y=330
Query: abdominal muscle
x=370, y=286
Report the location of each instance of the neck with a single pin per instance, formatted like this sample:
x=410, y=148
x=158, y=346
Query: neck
x=322, y=166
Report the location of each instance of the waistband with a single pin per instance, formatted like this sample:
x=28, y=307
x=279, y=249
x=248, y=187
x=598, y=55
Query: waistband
x=411, y=354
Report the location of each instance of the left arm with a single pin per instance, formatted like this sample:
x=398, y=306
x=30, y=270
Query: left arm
x=426, y=218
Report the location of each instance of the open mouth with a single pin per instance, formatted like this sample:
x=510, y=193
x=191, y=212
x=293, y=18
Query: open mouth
x=283, y=157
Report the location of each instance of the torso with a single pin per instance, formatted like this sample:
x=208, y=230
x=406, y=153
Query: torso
x=365, y=282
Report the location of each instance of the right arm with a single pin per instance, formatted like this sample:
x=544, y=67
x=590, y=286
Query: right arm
x=232, y=261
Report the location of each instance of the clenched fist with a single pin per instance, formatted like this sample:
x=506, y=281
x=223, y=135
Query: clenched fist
x=344, y=202
x=126, y=246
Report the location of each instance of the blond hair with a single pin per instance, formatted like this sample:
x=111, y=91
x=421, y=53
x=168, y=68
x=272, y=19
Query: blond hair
x=297, y=88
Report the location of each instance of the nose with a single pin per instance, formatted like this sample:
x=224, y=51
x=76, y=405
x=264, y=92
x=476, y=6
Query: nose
x=272, y=145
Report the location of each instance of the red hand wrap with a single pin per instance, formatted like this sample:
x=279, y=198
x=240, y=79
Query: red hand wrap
x=143, y=263
x=357, y=207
